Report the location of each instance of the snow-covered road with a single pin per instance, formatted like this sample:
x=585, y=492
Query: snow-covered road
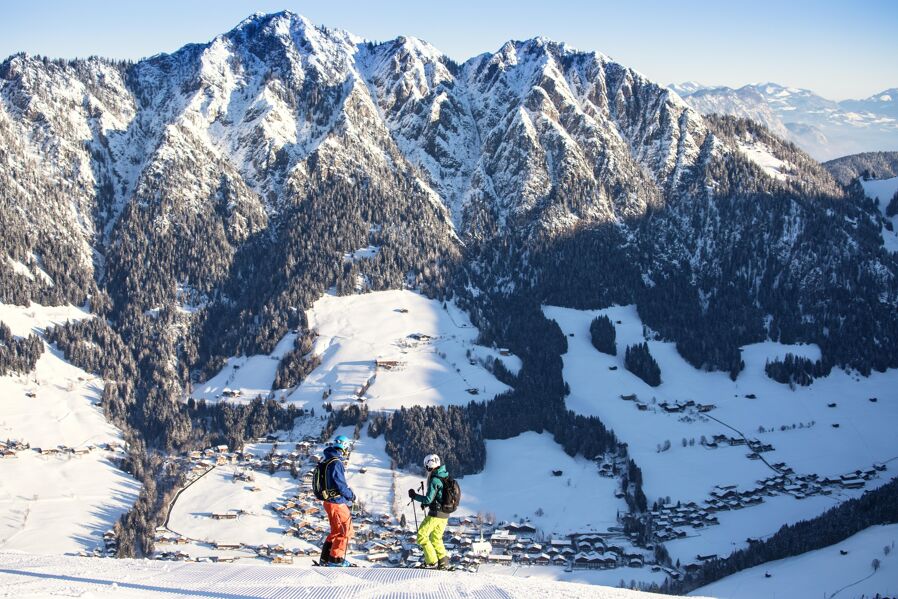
x=29, y=576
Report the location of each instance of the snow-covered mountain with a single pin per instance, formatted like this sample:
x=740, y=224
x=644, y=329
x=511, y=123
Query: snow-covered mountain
x=200, y=203
x=885, y=102
x=228, y=180
x=824, y=128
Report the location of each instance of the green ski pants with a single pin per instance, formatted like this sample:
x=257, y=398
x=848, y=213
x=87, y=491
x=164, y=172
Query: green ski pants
x=430, y=539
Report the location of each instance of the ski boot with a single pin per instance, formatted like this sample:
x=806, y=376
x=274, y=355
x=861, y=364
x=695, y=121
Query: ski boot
x=339, y=563
x=325, y=554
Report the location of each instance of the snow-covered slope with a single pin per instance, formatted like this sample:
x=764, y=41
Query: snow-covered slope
x=31, y=577
x=248, y=116
x=822, y=573
x=829, y=429
x=411, y=349
x=517, y=482
x=57, y=500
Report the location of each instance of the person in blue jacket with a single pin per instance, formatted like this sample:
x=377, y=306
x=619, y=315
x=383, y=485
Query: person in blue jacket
x=340, y=498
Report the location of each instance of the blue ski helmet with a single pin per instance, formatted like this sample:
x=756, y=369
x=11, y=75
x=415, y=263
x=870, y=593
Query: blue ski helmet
x=342, y=441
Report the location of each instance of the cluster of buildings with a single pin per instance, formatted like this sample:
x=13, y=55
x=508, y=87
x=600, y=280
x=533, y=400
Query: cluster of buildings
x=382, y=540
x=109, y=548
x=10, y=448
x=670, y=520
x=515, y=544
x=674, y=407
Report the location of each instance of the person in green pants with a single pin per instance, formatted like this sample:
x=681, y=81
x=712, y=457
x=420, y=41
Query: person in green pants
x=430, y=533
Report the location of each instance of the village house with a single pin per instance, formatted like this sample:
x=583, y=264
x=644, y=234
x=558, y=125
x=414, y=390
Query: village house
x=852, y=483
x=224, y=516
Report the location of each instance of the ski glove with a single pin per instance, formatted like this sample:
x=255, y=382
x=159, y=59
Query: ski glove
x=411, y=493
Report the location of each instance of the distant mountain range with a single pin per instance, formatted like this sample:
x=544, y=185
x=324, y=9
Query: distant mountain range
x=824, y=128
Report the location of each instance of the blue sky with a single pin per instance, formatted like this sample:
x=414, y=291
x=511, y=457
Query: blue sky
x=838, y=49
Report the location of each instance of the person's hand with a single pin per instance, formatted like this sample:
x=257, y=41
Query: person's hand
x=411, y=493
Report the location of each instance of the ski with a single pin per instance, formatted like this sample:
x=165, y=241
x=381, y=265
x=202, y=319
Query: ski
x=320, y=565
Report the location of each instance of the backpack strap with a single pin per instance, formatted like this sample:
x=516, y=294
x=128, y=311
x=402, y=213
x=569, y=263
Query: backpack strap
x=328, y=492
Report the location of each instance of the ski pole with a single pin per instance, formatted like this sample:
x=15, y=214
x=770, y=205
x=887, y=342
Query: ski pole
x=414, y=512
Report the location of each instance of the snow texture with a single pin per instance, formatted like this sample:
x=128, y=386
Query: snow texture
x=29, y=577
x=245, y=376
x=65, y=502
x=517, y=482
x=218, y=491
x=822, y=573
x=427, y=342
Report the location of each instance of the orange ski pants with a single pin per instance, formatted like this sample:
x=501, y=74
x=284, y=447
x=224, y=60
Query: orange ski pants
x=341, y=528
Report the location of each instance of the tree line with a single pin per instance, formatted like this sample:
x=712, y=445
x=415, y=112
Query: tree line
x=18, y=354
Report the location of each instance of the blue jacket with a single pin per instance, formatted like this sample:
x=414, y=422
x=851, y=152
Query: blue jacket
x=335, y=476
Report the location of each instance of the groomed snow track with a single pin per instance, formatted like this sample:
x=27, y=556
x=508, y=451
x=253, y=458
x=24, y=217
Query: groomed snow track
x=28, y=576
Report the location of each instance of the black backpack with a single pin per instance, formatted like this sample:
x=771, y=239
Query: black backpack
x=319, y=481
x=451, y=495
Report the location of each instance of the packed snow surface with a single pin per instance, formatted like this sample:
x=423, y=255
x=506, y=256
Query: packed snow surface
x=63, y=502
x=798, y=423
x=822, y=573
x=28, y=576
x=610, y=577
x=884, y=190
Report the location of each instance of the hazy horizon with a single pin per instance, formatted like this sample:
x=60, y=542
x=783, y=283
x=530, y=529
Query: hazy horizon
x=835, y=50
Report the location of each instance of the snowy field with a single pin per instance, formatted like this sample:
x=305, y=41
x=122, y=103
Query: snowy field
x=248, y=376
x=218, y=492
x=429, y=350
x=760, y=154
x=30, y=577
x=865, y=434
x=56, y=503
x=822, y=573
x=883, y=190
x=517, y=482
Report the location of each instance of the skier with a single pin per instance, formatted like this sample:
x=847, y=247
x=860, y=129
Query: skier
x=329, y=485
x=442, y=498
